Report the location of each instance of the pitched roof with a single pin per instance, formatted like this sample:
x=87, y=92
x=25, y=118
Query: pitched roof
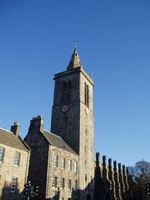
x=57, y=141
x=8, y=138
x=75, y=61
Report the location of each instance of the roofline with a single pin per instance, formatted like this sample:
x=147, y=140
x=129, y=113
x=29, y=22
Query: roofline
x=24, y=143
x=6, y=130
x=72, y=71
x=60, y=138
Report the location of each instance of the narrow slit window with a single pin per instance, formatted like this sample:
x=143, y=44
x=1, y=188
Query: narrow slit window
x=87, y=96
x=85, y=93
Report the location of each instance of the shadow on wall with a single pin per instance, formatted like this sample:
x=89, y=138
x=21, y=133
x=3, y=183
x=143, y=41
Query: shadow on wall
x=9, y=193
x=76, y=194
x=114, y=183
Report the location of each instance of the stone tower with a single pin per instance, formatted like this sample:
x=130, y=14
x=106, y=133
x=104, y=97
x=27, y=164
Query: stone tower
x=72, y=117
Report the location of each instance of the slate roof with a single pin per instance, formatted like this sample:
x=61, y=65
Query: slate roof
x=57, y=141
x=8, y=138
x=75, y=61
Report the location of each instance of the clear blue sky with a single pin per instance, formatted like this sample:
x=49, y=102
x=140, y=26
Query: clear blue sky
x=37, y=40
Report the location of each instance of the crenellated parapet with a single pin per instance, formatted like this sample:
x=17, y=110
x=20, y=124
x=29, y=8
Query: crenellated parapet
x=117, y=183
x=111, y=180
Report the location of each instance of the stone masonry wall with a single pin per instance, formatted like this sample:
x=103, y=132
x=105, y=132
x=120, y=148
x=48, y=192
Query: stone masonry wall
x=60, y=172
x=8, y=171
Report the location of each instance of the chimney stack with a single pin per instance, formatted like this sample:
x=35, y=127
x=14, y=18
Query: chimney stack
x=15, y=128
x=37, y=124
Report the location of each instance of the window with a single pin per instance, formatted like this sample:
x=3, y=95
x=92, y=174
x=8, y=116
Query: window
x=69, y=165
x=17, y=159
x=76, y=185
x=86, y=95
x=14, y=183
x=63, y=163
x=69, y=184
x=85, y=177
x=85, y=92
x=55, y=161
x=66, y=92
x=62, y=183
x=54, y=182
x=1, y=154
x=75, y=167
x=87, y=88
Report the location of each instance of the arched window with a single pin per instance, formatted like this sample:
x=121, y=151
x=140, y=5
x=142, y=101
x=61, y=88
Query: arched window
x=66, y=91
x=86, y=95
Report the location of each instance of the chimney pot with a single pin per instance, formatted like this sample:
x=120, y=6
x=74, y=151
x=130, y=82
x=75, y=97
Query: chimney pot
x=15, y=128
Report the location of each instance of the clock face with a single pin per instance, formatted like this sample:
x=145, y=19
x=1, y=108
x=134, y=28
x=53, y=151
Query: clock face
x=65, y=108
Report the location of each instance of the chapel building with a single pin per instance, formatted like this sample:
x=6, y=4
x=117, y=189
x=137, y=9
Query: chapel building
x=62, y=161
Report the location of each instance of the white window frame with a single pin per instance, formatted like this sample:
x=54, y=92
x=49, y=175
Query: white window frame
x=63, y=163
x=55, y=161
x=69, y=184
x=62, y=183
x=17, y=159
x=70, y=165
x=75, y=167
x=54, y=182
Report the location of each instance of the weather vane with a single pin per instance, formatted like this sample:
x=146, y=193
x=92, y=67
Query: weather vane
x=75, y=44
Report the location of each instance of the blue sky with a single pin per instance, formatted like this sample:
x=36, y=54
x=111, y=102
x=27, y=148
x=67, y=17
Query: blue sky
x=36, y=41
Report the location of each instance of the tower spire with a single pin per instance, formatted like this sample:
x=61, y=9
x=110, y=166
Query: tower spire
x=75, y=60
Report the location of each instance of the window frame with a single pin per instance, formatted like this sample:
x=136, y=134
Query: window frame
x=17, y=159
x=14, y=184
x=2, y=151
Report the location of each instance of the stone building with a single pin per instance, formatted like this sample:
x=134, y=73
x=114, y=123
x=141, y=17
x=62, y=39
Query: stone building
x=62, y=162
x=53, y=163
x=14, y=159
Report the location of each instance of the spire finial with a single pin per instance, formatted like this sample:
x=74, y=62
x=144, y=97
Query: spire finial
x=75, y=44
x=75, y=60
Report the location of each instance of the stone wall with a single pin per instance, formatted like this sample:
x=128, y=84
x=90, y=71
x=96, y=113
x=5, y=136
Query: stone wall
x=59, y=171
x=38, y=161
x=8, y=171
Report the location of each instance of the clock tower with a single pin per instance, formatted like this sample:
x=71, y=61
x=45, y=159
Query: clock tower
x=72, y=117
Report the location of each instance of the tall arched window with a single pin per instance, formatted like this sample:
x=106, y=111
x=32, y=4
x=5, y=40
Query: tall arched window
x=86, y=95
